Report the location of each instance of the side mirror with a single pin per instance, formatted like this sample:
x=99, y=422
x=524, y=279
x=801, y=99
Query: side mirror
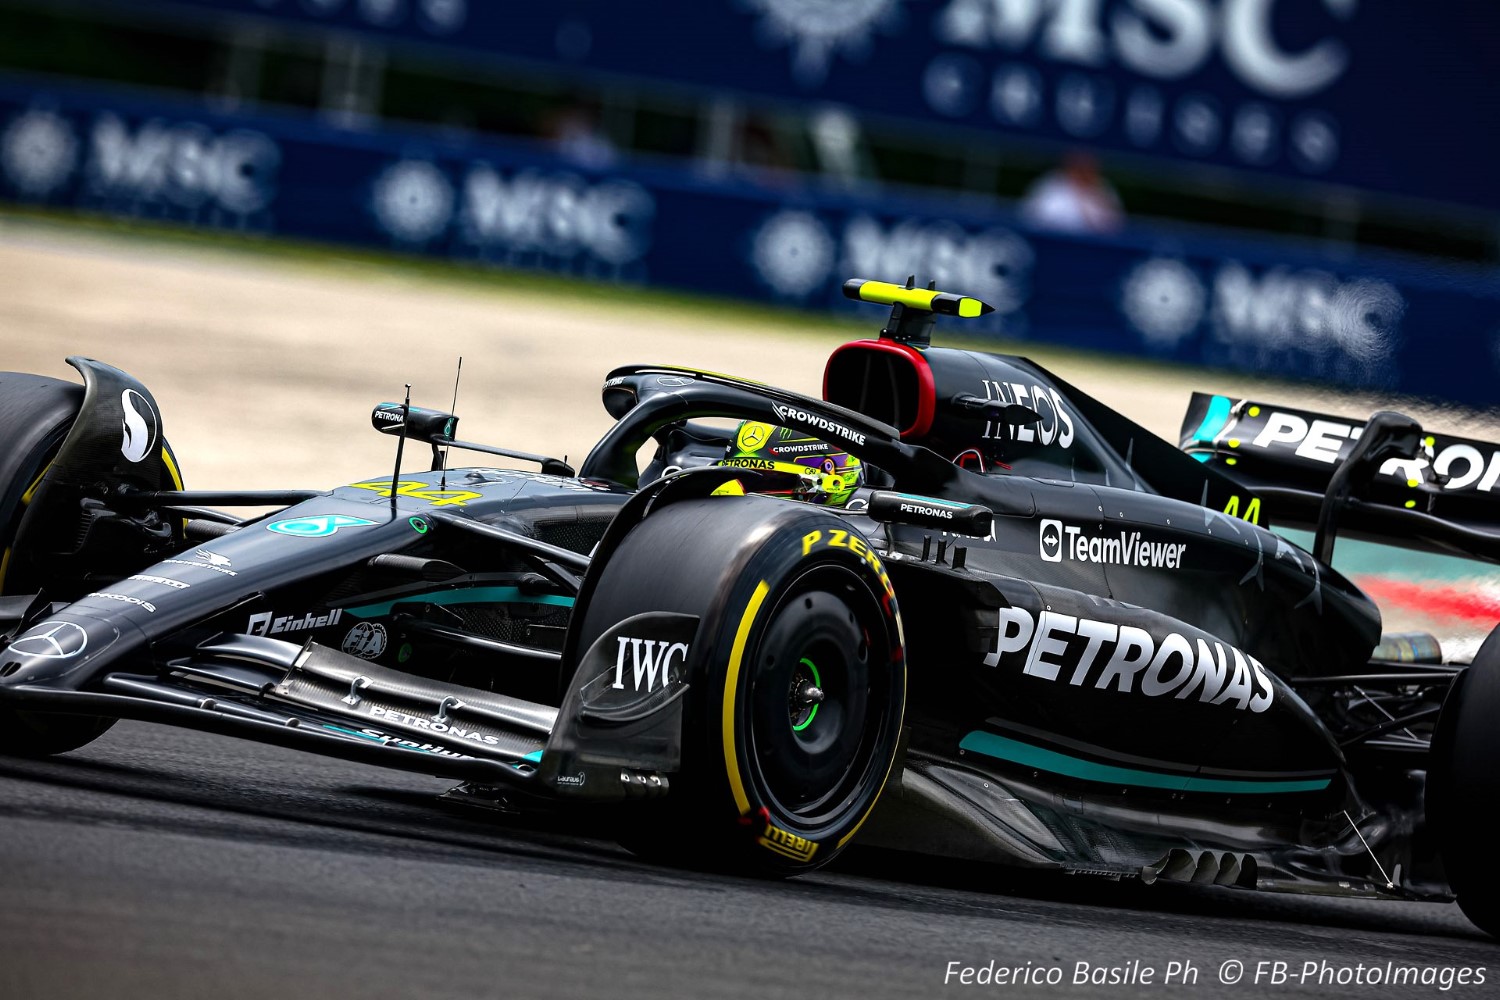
x=430, y=426
x=436, y=428
x=931, y=512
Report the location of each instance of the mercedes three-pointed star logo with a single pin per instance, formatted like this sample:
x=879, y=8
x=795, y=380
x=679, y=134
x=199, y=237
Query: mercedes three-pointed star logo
x=52, y=640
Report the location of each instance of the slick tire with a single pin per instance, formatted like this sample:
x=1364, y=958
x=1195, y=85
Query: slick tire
x=1463, y=782
x=36, y=413
x=797, y=695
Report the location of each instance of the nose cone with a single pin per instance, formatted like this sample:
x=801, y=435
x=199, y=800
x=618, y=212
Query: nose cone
x=56, y=648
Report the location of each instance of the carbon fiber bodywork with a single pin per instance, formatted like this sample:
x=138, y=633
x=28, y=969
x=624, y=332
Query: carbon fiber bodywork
x=1121, y=673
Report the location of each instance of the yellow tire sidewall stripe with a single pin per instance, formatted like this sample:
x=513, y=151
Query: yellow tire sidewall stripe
x=31, y=490
x=171, y=464
x=731, y=697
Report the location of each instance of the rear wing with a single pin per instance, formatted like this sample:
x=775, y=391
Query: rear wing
x=1443, y=496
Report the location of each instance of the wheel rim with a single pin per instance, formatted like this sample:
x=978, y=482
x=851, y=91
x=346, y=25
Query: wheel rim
x=819, y=701
x=805, y=695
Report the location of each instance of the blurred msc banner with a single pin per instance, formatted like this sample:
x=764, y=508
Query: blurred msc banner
x=1253, y=306
x=1383, y=96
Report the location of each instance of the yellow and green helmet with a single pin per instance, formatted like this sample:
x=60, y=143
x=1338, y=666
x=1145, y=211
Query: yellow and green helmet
x=801, y=467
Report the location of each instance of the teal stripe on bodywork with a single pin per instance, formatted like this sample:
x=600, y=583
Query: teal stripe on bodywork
x=350, y=732
x=1214, y=420
x=535, y=756
x=936, y=500
x=470, y=595
x=1027, y=755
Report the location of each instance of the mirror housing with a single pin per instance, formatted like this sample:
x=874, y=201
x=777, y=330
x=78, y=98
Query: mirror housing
x=421, y=424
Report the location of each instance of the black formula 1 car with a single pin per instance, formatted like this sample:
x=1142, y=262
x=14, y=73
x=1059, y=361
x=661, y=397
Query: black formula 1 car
x=992, y=619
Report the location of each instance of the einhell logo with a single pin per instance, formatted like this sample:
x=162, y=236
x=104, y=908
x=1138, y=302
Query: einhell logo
x=1051, y=541
x=265, y=623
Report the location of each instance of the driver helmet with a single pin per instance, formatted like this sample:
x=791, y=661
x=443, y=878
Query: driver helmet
x=801, y=467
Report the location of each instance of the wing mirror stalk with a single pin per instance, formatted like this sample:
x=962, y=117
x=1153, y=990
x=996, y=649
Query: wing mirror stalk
x=436, y=427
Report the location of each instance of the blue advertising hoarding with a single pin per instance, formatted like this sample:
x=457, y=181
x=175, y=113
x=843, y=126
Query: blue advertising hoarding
x=1249, y=306
x=1388, y=96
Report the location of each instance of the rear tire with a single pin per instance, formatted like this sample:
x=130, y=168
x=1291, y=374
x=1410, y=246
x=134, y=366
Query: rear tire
x=776, y=777
x=1463, y=783
x=36, y=413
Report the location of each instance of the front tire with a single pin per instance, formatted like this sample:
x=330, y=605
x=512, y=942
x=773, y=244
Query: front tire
x=795, y=707
x=1463, y=782
x=36, y=413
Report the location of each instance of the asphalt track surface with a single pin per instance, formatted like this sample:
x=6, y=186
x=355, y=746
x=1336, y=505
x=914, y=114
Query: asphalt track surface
x=159, y=863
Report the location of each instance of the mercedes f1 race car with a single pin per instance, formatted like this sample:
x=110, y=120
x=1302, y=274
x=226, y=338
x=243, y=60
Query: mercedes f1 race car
x=956, y=606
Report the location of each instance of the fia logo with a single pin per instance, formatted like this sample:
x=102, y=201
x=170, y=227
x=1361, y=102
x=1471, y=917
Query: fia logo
x=647, y=657
x=365, y=640
x=1051, y=537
